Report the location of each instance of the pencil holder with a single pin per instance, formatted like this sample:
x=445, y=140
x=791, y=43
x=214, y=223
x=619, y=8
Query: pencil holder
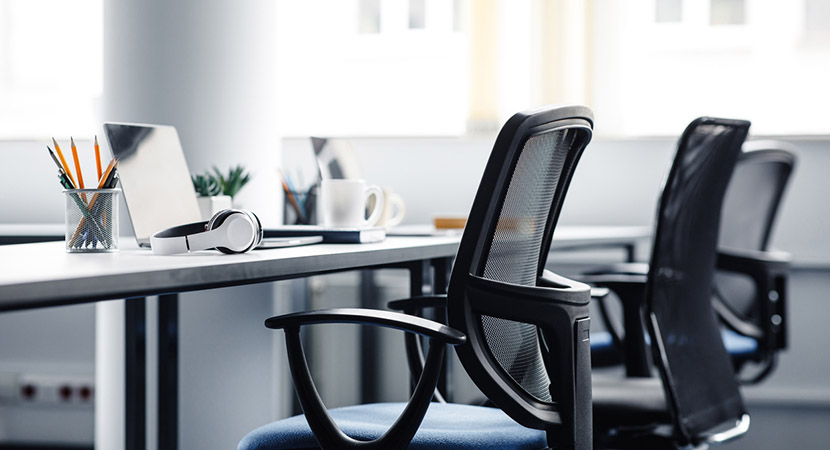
x=91, y=220
x=306, y=201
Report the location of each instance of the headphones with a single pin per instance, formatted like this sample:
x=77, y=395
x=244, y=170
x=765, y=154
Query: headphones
x=229, y=231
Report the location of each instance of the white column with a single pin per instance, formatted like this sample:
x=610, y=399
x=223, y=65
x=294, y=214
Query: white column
x=207, y=67
x=109, y=375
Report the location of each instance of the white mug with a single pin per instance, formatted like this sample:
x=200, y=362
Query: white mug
x=394, y=209
x=343, y=203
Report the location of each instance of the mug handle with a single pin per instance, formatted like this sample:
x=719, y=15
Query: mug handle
x=395, y=201
x=378, y=208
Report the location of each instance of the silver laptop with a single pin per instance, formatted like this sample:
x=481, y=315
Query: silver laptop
x=154, y=177
x=156, y=181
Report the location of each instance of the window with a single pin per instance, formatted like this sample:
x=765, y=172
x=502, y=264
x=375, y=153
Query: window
x=51, y=67
x=749, y=59
x=369, y=67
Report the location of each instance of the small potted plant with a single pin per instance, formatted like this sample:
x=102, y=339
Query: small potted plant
x=216, y=190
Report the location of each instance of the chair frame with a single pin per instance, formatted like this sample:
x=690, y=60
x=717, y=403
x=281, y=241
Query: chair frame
x=768, y=270
x=641, y=309
x=559, y=307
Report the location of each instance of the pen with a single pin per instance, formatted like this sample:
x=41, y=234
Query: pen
x=98, y=158
x=111, y=167
x=55, y=158
x=77, y=163
x=113, y=181
x=63, y=161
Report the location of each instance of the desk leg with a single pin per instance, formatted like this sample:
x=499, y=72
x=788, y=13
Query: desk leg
x=168, y=371
x=135, y=401
x=368, y=341
x=630, y=252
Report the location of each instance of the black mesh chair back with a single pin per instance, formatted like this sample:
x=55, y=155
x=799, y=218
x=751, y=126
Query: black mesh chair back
x=697, y=373
x=527, y=330
x=749, y=210
x=754, y=194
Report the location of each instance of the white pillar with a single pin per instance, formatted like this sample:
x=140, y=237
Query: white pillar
x=207, y=67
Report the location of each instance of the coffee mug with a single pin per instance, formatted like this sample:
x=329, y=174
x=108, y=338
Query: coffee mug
x=394, y=209
x=343, y=203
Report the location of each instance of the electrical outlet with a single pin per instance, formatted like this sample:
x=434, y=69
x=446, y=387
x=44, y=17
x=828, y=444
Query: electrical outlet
x=47, y=389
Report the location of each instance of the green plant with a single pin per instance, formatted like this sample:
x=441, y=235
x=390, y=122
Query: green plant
x=206, y=185
x=234, y=181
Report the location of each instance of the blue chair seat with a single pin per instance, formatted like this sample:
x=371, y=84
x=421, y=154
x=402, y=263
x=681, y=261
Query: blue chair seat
x=736, y=344
x=446, y=426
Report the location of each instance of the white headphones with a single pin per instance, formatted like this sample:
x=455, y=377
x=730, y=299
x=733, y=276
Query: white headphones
x=229, y=231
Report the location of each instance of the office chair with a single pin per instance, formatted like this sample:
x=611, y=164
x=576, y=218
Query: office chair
x=520, y=332
x=695, y=401
x=750, y=289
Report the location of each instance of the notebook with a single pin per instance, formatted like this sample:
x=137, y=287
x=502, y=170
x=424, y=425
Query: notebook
x=329, y=234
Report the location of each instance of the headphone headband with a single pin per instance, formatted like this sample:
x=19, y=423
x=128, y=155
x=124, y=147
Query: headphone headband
x=229, y=231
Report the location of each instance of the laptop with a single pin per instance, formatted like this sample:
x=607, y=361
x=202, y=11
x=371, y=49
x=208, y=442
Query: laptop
x=156, y=182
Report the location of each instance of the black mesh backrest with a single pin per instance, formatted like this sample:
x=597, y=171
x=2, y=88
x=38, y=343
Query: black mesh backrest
x=508, y=232
x=749, y=210
x=754, y=194
x=696, y=370
x=513, y=256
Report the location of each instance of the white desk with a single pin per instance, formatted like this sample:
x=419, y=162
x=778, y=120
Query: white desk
x=43, y=274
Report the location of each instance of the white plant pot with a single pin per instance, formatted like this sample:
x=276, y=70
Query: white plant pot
x=209, y=206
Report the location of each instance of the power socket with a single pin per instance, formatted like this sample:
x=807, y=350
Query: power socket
x=47, y=389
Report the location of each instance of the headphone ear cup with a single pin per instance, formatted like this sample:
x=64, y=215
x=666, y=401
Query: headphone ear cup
x=218, y=219
x=247, y=217
x=258, y=228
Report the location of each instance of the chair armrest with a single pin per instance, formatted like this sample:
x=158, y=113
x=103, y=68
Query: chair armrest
x=753, y=262
x=388, y=319
x=553, y=280
x=769, y=271
x=621, y=269
x=327, y=433
x=415, y=354
x=631, y=290
x=415, y=303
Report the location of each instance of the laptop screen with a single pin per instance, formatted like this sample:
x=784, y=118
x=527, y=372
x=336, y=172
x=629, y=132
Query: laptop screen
x=154, y=177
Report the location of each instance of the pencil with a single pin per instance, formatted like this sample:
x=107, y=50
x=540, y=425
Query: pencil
x=77, y=163
x=63, y=161
x=98, y=158
x=291, y=199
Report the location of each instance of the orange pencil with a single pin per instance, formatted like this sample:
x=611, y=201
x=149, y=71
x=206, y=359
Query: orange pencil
x=77, y=163
x=98, y=158
x=63, y=161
